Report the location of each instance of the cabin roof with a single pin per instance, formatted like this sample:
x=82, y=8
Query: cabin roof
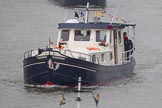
x=93, y=25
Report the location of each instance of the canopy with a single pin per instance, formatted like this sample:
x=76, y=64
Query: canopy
x=94, y=25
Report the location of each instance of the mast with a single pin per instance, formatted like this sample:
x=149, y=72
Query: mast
x=87, y=13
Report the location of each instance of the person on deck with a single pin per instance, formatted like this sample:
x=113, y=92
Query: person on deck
x=125, y=41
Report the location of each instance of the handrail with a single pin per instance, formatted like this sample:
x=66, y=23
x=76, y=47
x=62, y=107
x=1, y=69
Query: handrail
x=127, y=55
x=32, y=53
x=80, y=55
x=77, y=52
x=28, y=54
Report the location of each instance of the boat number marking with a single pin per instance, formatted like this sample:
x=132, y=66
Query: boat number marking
x=60, y=58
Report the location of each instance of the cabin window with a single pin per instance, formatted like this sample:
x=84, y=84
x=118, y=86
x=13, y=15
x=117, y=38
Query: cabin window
x=65, y=35
x=93, y=58
x=100, y=36
x=119, y=37
x=102, y=57
x=111, y=55
x=83, y=35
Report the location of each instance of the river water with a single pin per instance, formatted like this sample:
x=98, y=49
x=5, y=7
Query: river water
x=27, y=24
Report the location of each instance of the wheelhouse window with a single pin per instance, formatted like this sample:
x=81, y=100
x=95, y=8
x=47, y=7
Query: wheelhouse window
x=100, y=36
x=119, y=37
x=65, y=35
x=82, y=35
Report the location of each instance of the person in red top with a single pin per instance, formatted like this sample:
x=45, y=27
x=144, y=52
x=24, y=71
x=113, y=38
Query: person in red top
x=125, y=36
x=126, y=46
x=125, y=41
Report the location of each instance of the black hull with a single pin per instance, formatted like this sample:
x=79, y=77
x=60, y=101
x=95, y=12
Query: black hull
x=101, y=3
x=67, y=70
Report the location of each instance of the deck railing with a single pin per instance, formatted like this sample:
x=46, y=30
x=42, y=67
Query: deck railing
x=32, y=53
x=83, y=56
x=28, y=54
x=127, y=55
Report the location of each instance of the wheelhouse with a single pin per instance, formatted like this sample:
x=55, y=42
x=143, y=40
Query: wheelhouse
x=101, y=43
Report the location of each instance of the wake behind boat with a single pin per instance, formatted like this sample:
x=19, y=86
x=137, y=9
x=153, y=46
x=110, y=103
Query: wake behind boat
x=97, y=51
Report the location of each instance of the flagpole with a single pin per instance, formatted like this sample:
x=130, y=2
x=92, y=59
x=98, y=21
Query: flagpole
x=87, y=13
x=113, y=17
x=79, y=90
x=49, y=70
x=49, y=42
x=65, y=14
